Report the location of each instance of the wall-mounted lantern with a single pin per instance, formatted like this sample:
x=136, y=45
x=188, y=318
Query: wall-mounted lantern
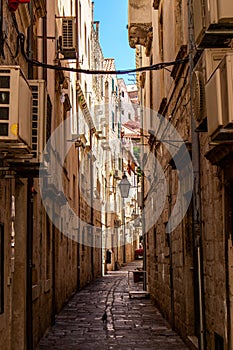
x=124, y=186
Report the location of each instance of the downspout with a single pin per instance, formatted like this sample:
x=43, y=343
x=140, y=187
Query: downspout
x=1, y=31
x=92, y=187
x=53, y=272
x=115, y=184
x=78, y=165
x=170, y=244
x=226, y=229
x=29, y=256
x=45, y=54
x=29, y=248
x=92, y=209
x=92, y=180
x=30, y=41
x=124, y=223
x=197, y=228
x=123, y=200
x=143, y=182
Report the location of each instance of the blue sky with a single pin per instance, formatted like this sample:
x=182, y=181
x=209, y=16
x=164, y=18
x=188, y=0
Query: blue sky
x=113, y=17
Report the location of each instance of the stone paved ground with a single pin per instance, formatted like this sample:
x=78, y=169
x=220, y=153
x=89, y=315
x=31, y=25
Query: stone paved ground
x=132, y=323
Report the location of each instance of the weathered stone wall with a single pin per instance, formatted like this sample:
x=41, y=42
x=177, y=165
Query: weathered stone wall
x=170, y=33
x=59, y=264
x=214, y=254
x=6, y=190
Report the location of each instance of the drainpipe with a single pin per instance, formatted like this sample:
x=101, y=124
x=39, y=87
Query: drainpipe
x=197, y=228
x=143, y=182
x=1, y=32
x=78, y=232
x=30, y=41
x=53, y=272
x=124, y=223
x=29, y=243
x=227, y=283
x=170, y=245
x=45, y=54
x=92, y=187
x=78, y=165
x=29, y=256
x=92, y=209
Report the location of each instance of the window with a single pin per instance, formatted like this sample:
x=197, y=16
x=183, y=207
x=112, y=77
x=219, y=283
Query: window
x=83, y=239
x=85, y=38
x=89, y=54
x=79, y=15
x=1, y=268
x=49, y=118
x=102, y=86
x=119, y=130
x=113, y=120
x=155, y=238
x=120, y=163
x=151, y=94
x=73, y=114
x=74, y=191
x=48, y=246
x=161, y=35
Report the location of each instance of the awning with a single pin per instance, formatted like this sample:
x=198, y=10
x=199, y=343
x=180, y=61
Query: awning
x=85, y=110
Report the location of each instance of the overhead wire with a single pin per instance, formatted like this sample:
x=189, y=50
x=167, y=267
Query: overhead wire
x=158, y=66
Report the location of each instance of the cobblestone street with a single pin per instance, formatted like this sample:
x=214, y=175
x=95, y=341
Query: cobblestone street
x=132, y=323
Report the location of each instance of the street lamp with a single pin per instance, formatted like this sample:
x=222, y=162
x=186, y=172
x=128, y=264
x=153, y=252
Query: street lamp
x=124, y=186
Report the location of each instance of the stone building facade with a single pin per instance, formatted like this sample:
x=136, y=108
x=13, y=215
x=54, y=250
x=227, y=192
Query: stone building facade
x=189, y=267
x=43, y=258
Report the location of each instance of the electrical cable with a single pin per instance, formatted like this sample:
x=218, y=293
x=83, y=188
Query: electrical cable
x=157, y=66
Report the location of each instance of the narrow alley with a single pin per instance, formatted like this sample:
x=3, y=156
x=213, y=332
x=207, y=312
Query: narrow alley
x=132, y=323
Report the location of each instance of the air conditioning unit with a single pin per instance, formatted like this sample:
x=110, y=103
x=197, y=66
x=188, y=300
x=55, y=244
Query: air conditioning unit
x=213, y=22
x=198, y=100
x=15, y=110
x=219, y=101
x=212, y=59
x=39, y=118
x=203, y=70
x=68, y=39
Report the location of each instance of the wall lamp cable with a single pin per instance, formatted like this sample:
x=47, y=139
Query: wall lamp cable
x=158, y=66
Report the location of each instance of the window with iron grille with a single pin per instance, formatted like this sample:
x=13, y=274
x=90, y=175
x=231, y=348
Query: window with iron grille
x=67, y=33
